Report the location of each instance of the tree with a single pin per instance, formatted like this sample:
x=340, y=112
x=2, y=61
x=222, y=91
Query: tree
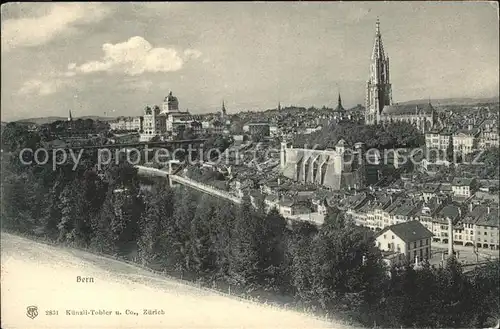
x=272, y=250
x=300, y=257
x=244, y=262
x=486, y=292
x=155, y=219
x=102, y=239
x=180, y=231
x=224, y=218
x=344, y=257
x=202, y=238
x=450, y=153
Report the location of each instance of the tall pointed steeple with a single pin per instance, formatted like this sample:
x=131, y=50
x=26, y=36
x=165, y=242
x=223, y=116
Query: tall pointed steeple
x=279, y=106
x=339, y=104
x=378, y=87
x=223, y=110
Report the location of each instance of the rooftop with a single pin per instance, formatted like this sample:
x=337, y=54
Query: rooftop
x=406, y=109
x=409, y=231
x=459, y=181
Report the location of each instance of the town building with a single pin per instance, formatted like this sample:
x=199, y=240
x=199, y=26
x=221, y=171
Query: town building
x=488, y=137
x=254, y=128
x=463, y=187
x=411, y=241
x=463, y=141
x=173, y=115
x=154, y=123
x=479, y=228
x=127, y=123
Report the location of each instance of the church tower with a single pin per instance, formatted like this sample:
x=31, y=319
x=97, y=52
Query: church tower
x=223, y=110
x=378, y=86
x=339, y=107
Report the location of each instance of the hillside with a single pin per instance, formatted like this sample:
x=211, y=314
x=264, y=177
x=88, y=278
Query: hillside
x=43, y=120
x=45, y=276
x=453, y=101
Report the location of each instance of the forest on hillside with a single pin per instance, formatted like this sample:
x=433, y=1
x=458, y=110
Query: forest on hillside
x=335, y=269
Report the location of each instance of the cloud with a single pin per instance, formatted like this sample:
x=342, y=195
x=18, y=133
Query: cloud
x=142, y=85
x=39, y=87
x=136, y=56
x=192, y=53
x=357, y=14
x=47, y=83
x=59, y=20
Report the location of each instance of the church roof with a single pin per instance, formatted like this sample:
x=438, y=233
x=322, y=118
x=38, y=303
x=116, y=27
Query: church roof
x=407, y=109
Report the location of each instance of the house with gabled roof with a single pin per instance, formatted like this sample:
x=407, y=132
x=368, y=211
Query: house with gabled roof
x=410, y=240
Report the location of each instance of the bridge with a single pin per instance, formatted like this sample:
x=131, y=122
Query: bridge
x=205, y=188
x=171, y=144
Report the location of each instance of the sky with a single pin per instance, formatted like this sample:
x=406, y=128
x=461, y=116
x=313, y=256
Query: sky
x=93, y=58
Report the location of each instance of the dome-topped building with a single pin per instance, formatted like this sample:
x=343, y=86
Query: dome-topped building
x=170, y=104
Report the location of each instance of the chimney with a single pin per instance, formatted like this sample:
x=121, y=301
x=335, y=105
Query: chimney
x=470, y=206
x=450, y=237
x=489, y=209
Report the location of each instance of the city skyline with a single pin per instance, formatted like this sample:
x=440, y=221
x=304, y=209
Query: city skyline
x=88, y=58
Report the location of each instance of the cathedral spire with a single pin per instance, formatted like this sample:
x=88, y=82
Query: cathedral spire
x=378, y=46
x=378, y=91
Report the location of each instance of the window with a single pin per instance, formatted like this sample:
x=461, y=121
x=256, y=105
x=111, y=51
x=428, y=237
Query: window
x=485, y=233
x=415, y=244
x=393, y=237
x=384, y=236
x=426, y=242
x=421, y=243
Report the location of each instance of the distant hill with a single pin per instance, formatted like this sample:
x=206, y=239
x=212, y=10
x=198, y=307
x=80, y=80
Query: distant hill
x=44, y=120
x=454, y=101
